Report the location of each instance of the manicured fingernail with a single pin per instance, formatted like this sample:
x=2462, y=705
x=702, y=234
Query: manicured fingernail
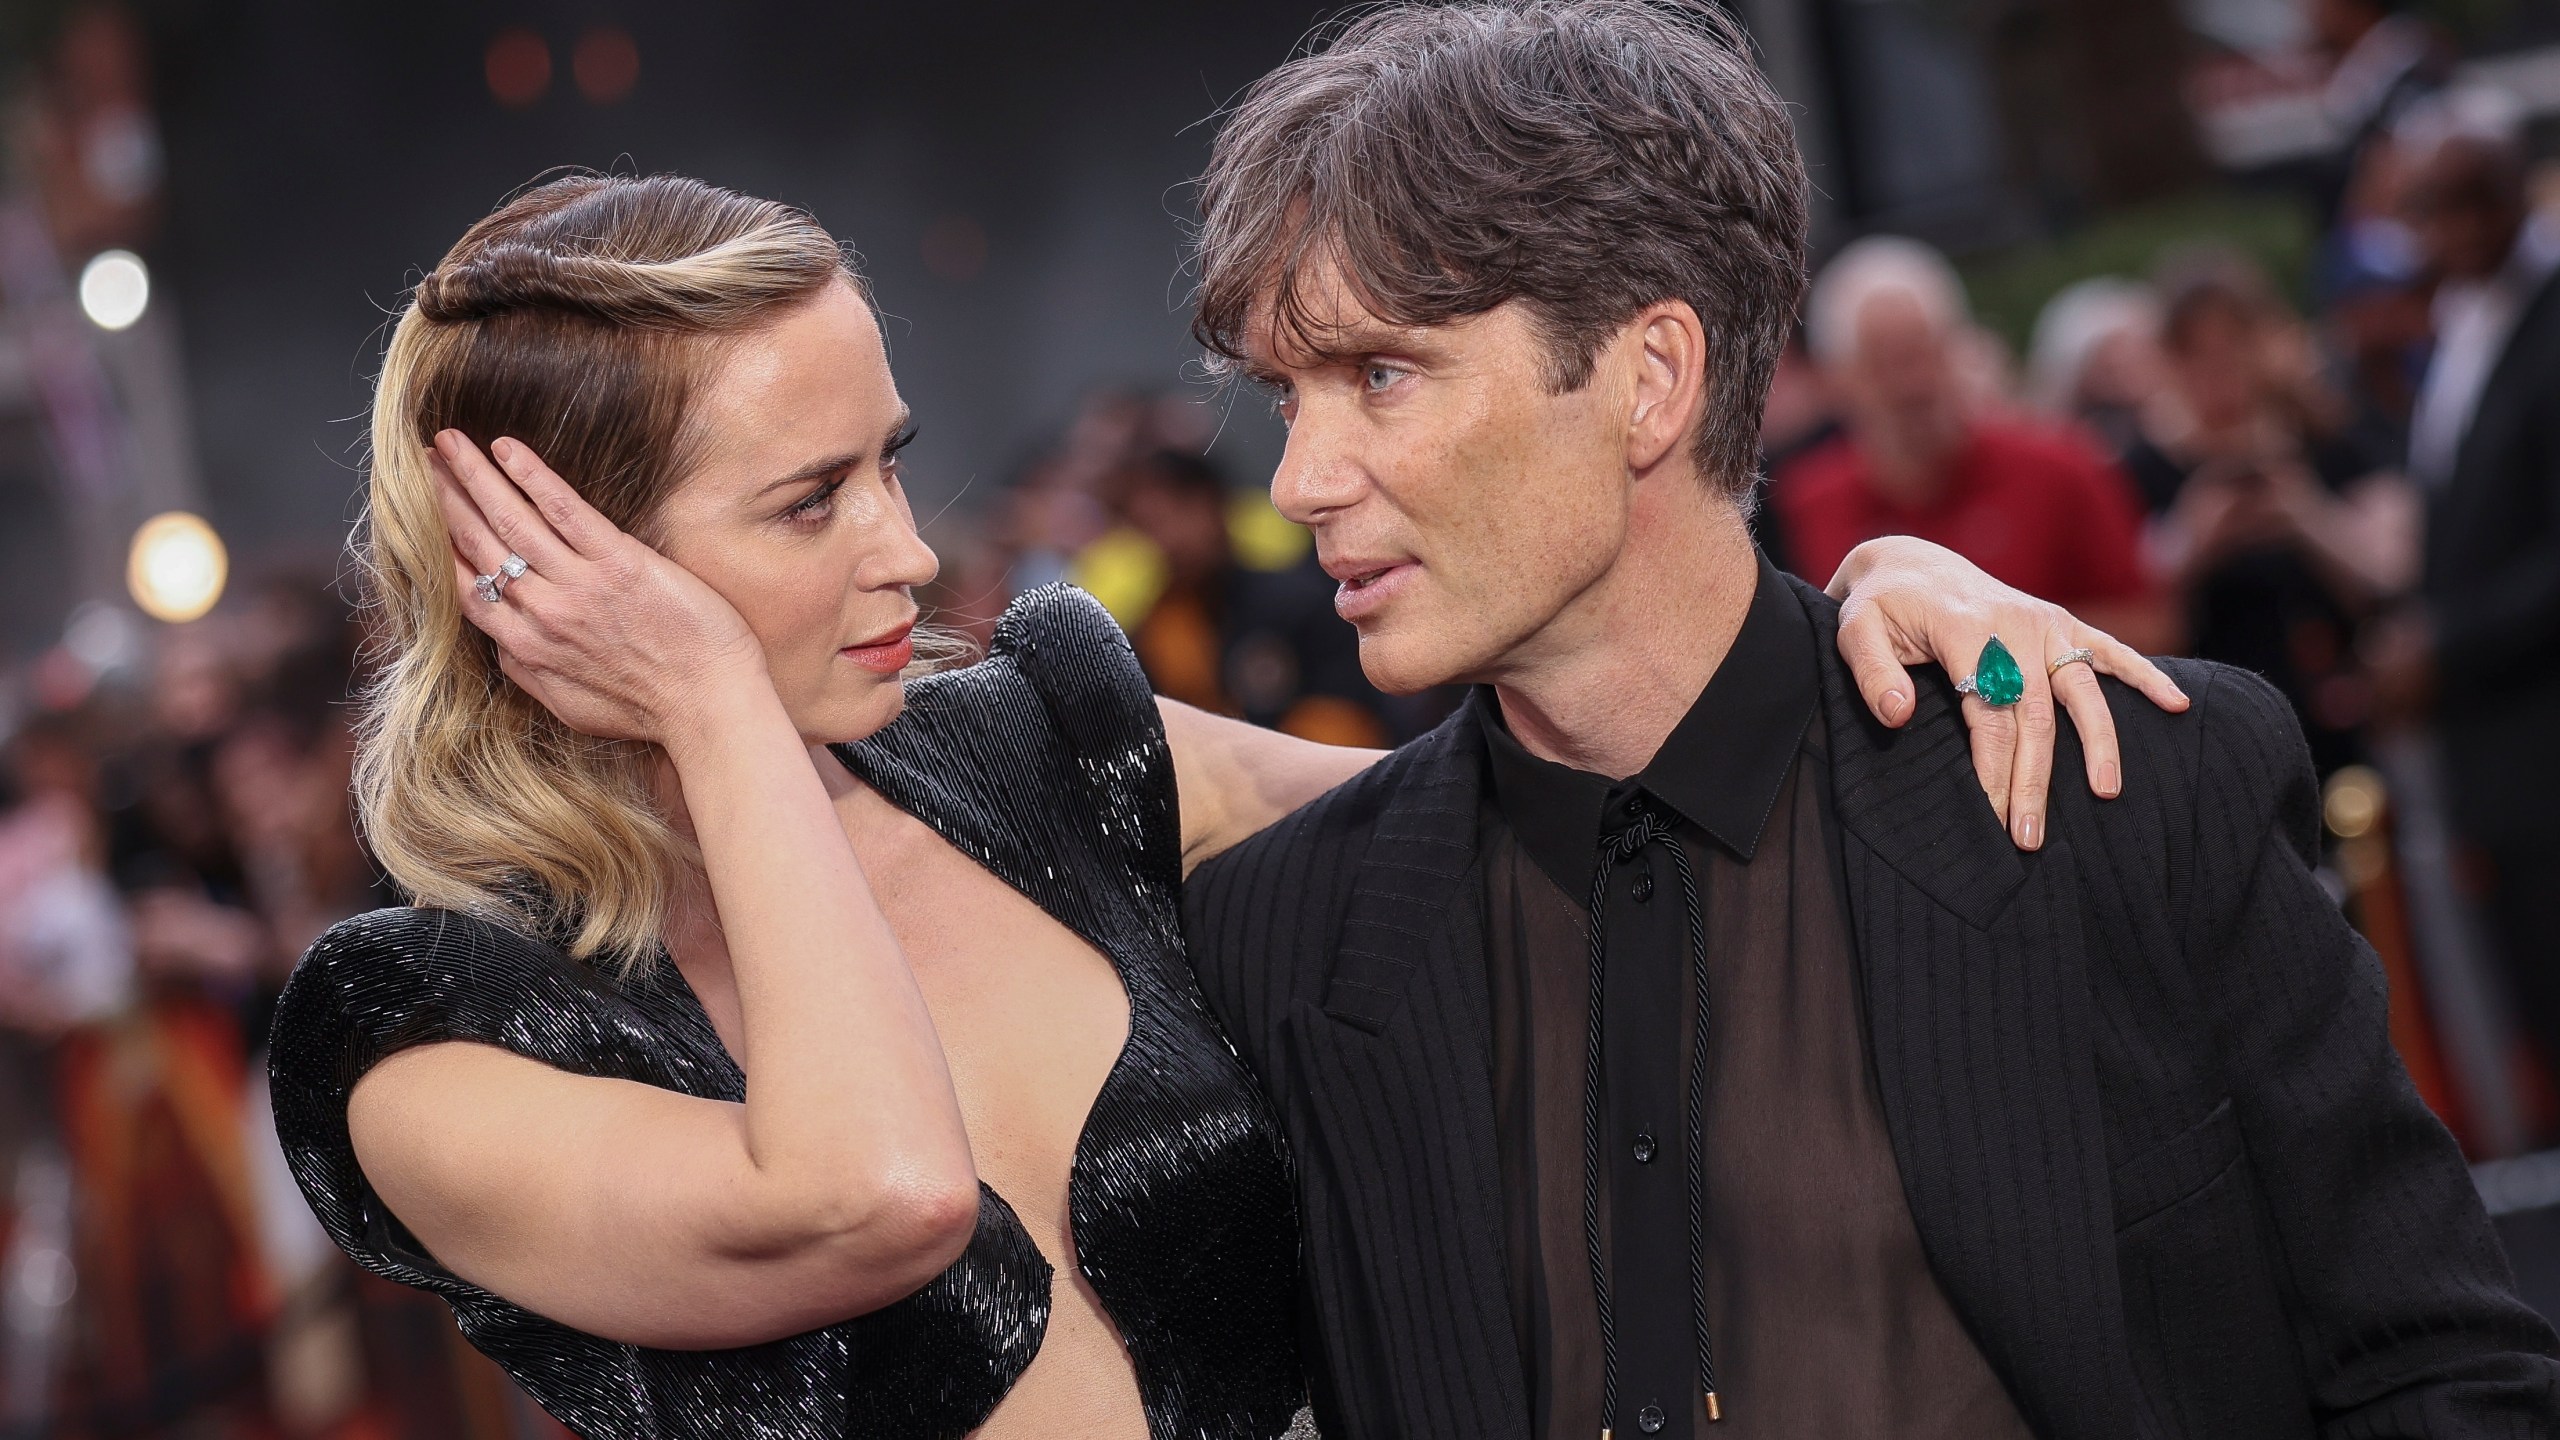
x=1896, y=705
x=2031, y=831
x=2110, y=784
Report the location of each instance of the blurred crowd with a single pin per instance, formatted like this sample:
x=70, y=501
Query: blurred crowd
x=2345, y=483
x=2353, y=492
x=1222, y=598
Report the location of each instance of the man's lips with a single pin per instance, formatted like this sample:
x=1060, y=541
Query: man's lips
x=889, y=654
x=1367, y=584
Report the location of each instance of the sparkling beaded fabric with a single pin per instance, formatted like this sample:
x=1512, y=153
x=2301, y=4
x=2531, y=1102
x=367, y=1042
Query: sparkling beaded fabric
x=1048, y=765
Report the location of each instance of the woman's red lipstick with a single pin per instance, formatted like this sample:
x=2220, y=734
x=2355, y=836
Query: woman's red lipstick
x=887, y=655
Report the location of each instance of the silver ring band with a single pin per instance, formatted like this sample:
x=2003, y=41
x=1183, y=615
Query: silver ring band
x=493, y=588
x=2072, y=657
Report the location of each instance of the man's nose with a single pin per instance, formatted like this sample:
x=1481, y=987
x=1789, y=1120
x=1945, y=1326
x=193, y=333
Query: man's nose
x=1318, y=473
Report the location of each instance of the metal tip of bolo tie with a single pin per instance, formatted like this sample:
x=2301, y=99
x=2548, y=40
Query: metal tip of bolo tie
x=1715, y=1411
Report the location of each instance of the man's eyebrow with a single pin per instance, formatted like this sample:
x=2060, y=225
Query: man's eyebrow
x=821, y=469
x=1344, y=346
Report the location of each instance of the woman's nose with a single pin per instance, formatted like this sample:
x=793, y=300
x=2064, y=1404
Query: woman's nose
x=908, y=561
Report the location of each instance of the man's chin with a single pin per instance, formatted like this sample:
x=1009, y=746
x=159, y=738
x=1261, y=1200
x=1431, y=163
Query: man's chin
x=1400, y=662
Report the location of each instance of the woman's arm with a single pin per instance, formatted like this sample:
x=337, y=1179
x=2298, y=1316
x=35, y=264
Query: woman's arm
x=1236, y=778
x=1906, y=602
x=844, y=1182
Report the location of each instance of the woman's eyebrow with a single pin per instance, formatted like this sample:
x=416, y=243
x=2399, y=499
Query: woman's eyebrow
x=815, y=470
x=821, y=469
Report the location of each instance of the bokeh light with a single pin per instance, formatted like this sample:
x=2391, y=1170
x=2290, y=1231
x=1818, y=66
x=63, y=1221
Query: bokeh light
x=115, y=288
x=177, y=567
x=2353, y=802
x=519, y=67
x=606, y=64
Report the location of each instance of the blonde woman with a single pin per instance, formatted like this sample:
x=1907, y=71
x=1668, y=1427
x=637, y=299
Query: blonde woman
x=758, y=1059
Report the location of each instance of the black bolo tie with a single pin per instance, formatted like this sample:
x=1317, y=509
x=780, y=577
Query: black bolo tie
x=1616, y=849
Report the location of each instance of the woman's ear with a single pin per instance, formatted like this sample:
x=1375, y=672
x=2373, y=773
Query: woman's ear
x=1670, y=383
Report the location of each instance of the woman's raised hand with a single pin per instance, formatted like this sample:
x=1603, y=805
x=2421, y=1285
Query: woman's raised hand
x=613, y=638
x=1908, y=602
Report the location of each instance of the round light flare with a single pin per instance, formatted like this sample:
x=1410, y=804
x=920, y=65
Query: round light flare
x=177, y=567
x=115, y=288
x=2354, y=802
x=518, y=67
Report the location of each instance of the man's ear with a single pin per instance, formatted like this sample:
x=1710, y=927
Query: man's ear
x=1670, y=382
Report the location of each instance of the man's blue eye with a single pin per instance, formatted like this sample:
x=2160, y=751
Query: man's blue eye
x=1382, y=376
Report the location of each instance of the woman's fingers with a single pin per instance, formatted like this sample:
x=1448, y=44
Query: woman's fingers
x=1993, y=736
x=1866, y=642
x=2130, y=666
x=2076, y=686
x=473, y=539
x=2031, y=770
x=518, y=525
x=501, y=622
x=578, y=524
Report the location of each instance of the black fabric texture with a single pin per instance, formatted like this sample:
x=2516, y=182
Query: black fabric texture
x=2143, y=1103
x=1047, y=764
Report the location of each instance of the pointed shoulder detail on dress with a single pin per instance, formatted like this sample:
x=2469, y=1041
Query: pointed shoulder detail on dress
x=1053, y=737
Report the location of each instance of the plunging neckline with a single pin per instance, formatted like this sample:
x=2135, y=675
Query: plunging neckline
x=689, y=1003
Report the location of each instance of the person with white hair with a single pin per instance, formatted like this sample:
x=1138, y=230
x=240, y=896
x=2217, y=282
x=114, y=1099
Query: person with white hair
x=1923, y=453
x=2094, y=357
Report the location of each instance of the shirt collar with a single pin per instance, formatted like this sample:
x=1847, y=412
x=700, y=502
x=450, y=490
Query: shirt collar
x=1720, y=769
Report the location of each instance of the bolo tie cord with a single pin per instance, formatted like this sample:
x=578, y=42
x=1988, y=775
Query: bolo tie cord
x=1614, y=850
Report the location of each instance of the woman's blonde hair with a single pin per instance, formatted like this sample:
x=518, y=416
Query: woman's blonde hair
x=576, y=319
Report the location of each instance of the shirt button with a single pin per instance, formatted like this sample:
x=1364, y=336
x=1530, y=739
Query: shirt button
x=1649, y=1419
x=1644, y=1149
x=1635, y=804
x=1642, y=889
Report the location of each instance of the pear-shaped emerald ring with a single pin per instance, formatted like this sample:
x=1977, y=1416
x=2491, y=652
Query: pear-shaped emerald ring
x=1995, y=678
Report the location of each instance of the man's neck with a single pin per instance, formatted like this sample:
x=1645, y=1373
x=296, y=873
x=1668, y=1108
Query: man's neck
x=1605, y=684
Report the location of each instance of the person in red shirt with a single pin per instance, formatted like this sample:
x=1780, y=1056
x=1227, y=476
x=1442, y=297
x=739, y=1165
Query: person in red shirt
x=1922, y=453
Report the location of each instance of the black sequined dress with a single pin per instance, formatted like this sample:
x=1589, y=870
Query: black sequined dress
x=1047, y=764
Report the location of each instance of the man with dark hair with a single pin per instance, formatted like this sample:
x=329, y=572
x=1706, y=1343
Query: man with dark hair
x=2481, y=652
x=2105, y=1138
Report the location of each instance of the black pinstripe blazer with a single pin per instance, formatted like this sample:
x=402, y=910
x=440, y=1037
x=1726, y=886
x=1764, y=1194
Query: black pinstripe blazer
x=2161, y=1155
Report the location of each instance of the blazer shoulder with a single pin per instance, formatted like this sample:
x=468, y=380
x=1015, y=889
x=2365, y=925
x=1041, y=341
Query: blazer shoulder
x=2224, y=775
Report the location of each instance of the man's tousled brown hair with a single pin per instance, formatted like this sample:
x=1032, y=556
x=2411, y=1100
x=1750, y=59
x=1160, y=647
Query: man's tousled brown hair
x=1586, y=157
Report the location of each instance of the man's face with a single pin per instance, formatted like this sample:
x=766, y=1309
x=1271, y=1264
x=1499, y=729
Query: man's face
x=2464, y=209
x=1461, y=504
x=1898, y=385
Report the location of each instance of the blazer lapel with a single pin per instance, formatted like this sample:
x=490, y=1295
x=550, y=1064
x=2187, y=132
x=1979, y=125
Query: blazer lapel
x=1981, y=1026
x=1397, y=1064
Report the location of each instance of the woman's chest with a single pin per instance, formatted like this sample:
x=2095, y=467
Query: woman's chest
x=1031, y=1017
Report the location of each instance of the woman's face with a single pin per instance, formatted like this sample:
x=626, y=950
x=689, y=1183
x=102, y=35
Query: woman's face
x=798, y=518
x=2216, y=358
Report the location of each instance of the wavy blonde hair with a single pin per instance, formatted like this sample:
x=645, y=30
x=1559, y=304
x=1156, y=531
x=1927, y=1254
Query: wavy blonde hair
x=577, y=319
